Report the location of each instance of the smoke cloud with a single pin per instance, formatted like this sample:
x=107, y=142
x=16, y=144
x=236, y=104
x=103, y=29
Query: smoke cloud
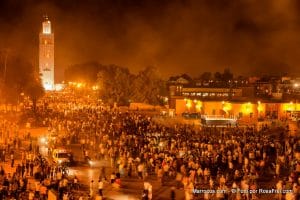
x=180, y=36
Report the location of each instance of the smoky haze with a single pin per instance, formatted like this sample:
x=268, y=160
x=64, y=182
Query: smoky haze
x=192, y=36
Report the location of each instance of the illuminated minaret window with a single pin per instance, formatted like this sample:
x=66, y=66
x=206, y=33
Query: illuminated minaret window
x=46, y=55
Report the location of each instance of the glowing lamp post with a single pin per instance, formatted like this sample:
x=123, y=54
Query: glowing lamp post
x=95, y=87
x=247, y=109
x=259, y=108
x=226, y=107
x=199, y=106
x=188, y=104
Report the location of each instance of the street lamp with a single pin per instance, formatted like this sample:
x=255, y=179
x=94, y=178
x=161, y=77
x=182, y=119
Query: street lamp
x=199, y=106
x=259, y=108
x=188, y=104
x=226, y=106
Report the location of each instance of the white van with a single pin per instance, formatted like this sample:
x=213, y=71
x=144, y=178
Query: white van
x=61, y=156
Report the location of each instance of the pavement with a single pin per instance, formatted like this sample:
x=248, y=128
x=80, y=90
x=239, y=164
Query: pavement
x=131, y=188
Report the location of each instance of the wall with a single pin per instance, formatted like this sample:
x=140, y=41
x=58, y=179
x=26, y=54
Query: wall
x=224, y=108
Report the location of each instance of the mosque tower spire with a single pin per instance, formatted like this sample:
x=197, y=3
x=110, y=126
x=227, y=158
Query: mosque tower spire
x=46, y=54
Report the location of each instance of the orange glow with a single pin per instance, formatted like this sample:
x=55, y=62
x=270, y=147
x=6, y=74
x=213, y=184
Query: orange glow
x=188, y=103
x=291, y=106
x=260, y=108
x=247, y=108
x=199, y=105
x=226, y=106
x=95, y=87
x=79, y=85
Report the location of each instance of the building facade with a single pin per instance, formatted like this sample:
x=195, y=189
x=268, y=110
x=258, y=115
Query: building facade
x=46, y=55
x=240, y=101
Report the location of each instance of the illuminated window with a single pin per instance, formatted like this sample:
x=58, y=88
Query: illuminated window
x=45, y=42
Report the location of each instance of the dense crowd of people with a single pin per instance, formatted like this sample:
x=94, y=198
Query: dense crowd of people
x=219, y=159
x=33, y=175
x=206, y=162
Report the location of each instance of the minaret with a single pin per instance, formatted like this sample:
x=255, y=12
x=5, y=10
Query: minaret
x=46, y=55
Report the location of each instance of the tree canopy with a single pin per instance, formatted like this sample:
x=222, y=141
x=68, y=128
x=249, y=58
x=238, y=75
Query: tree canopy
x=118, y=85
x=18, y=76
x=148, y=87
x=114, y=84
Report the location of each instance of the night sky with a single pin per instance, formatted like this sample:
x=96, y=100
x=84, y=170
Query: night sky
x=180, y=36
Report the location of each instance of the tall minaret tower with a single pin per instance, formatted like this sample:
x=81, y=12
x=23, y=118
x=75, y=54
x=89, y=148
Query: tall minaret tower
x=46, y=55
